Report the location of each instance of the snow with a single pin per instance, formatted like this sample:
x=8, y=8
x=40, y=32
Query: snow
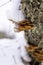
x=10, y=49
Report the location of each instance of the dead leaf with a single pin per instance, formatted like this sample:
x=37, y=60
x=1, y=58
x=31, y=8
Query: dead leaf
x=23, y=25
x=35, y=52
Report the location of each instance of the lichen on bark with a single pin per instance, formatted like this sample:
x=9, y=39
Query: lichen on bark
x=33, y=11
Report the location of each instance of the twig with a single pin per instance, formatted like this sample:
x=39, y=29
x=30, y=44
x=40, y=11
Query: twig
x=14, y=60
x=34, y=62
x=5, y=3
